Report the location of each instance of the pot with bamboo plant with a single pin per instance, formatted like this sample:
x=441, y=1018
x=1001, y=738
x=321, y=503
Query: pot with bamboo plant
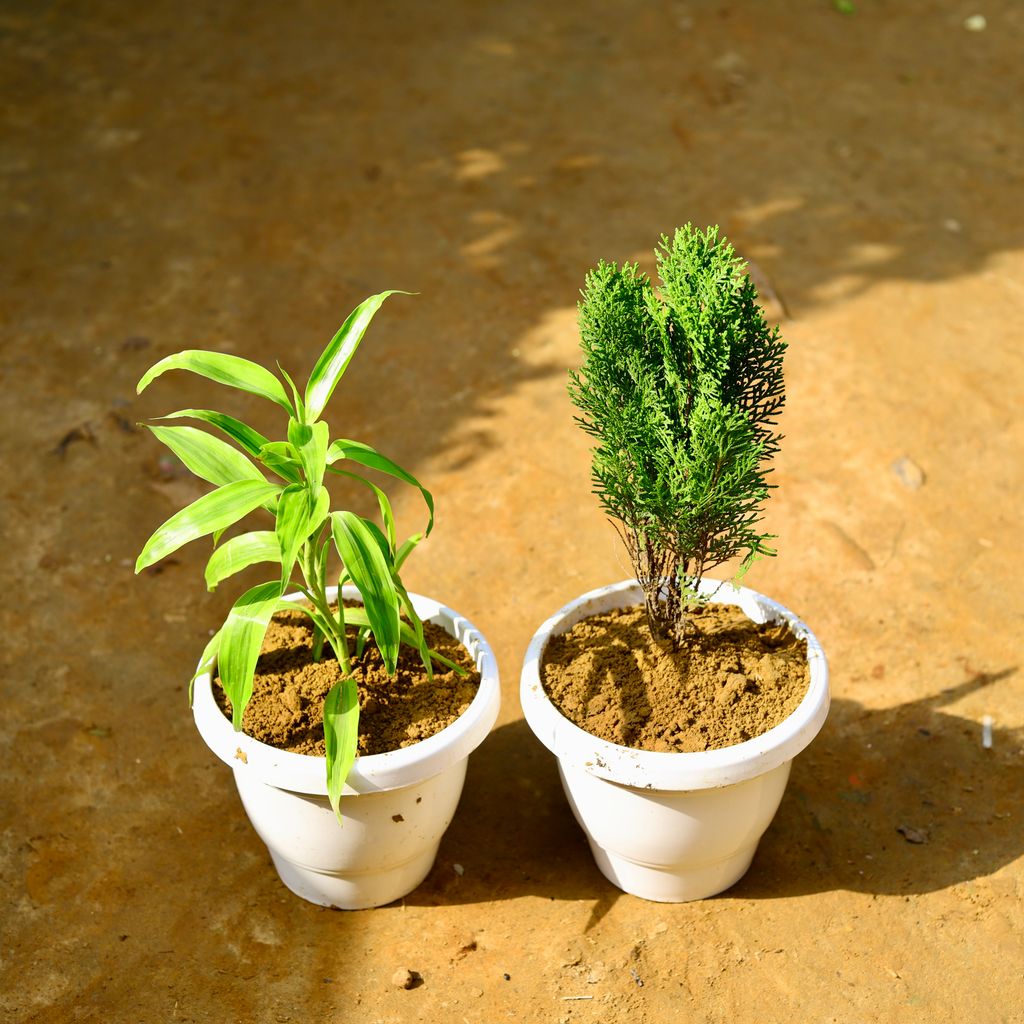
x=346, y=712
x=674, y=702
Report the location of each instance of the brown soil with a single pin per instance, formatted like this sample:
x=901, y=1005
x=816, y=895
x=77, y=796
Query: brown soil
x=286, y=709
x=734, y=680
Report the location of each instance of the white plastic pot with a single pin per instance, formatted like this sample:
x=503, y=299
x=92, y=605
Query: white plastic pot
x=395, y=807
x=673, y=827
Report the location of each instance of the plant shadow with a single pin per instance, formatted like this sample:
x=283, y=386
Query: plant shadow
x=901, y=800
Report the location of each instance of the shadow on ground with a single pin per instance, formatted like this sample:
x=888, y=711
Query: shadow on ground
x=895, y=801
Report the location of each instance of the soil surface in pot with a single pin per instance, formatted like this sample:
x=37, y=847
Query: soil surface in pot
x=286, y=709
x=735, y=680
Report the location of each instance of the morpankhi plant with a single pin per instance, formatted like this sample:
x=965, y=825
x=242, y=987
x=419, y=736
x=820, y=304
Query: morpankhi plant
x=680, y=388
x=305, y=530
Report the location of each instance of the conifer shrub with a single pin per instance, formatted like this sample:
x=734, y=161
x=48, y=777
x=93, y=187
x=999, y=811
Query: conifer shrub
x=680, y=387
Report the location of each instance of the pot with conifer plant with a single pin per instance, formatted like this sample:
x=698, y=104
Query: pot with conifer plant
x=673, y=702
x=347, y=713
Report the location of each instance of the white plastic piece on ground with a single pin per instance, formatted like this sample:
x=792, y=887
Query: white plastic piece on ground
x=673, y=827
x=395, y=806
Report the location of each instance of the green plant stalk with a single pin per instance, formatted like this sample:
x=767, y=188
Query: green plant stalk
x=316, y=593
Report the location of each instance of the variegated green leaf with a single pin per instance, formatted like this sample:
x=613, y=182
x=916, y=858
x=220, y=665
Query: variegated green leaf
x=209, y=457
x=292, y=526
x=321, y=510
x=325, y=548
x=366, y=456
x=385, y=548
x=296, y=606
x=368, y=568
x=241, y=639
x=300, y=406
x=281, y=458
x=383, y=502
x=206, y=662
x=341, y=737
x=214, y=511
x=250, y=440
x=310, y=444
x=335, y=358
x=234, y=371
x=239, y=553
x=406, y=550
x=417, y=626
x=358, y=617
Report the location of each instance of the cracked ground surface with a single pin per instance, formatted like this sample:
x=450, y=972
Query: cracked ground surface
x=239, y=176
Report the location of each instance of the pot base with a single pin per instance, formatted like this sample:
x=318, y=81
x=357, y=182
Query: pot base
x=672, y=885
x=672, y=847
x=383, y=848
x=355, y=892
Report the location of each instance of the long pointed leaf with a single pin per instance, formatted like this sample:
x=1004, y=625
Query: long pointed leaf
x=321, y=510
x=280, y=457
x=214, y=511
x=335, y=358
x=322, y=558
x=239, y=553
x=341, y=737
x=417, y=626
x=366, y=564
x=385, y=549
x=241, y=639
x=358, y=617
x=406, y=550
x=310, y=444
x=209, y=457
x=364, y=455
x=250, y=440
x=206, y=662
x=296, y=606
x=300, y=406
x=386, y=514
x=234, y=371
x=292, y=526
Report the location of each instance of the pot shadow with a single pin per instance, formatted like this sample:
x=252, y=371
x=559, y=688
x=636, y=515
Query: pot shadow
x=895, y=801
x=902, y=800
x=513, y=834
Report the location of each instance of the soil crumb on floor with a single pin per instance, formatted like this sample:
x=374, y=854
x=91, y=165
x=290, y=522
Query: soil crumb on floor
x=734, y=680
x=286, y=709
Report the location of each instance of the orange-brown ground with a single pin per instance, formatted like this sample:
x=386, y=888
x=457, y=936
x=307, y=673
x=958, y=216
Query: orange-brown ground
x=240, y=175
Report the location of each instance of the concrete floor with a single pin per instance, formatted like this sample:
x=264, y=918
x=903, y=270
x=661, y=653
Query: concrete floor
x=239, y=176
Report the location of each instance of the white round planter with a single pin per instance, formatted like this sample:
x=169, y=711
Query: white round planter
x=673, y=827
x=395, y=806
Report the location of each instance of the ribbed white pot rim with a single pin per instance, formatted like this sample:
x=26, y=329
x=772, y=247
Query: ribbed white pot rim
x=657, y=770
x=306, y=773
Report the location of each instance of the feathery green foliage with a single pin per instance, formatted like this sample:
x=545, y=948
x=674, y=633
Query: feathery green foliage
x=304, y=528
x=681, y=389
